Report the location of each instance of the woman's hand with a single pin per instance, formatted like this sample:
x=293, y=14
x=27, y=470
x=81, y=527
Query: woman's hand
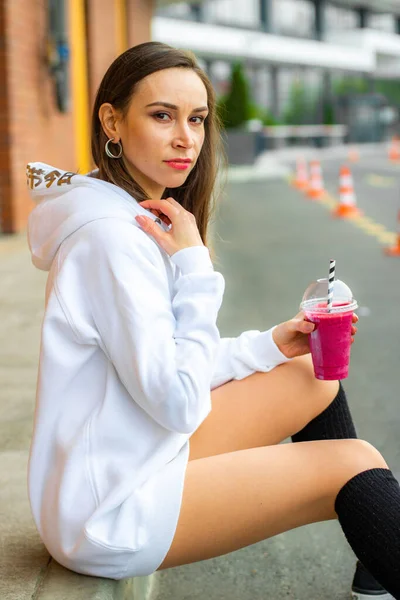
x=292, y=339
x=183, y=233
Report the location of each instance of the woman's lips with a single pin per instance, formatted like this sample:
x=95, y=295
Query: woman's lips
x=178, y=165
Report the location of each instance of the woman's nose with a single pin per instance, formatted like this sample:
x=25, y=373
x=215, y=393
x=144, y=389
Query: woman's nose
x=184, y=136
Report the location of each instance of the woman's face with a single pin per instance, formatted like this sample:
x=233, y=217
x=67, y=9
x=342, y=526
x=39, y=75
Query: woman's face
x=165, y=121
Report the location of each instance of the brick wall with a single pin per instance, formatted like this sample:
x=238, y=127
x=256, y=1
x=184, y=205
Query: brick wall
x=31, y=127
x=38, y=132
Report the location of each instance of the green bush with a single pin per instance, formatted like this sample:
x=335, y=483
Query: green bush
x=255, y=111
x=350, y=85
x=328, y=114
x=234, y=108
x=300, y=108
x=390, y=89
x=263, y=114
x=269, y=119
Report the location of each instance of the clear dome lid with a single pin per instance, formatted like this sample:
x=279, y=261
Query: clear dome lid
x=316, y=297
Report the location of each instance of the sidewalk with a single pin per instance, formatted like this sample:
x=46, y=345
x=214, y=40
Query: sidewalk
x=26, y=569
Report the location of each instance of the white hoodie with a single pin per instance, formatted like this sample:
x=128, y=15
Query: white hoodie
x=130, y=352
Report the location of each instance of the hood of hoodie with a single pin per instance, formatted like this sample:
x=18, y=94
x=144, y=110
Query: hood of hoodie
x=65, y=202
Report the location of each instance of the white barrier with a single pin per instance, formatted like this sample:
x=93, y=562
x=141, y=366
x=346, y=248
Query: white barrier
x=305, y=131
x=279, y=133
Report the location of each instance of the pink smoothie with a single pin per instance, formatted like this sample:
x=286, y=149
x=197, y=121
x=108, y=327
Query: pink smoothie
x=330, y=342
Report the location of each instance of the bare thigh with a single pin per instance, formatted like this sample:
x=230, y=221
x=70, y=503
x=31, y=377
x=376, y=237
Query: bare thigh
x=262, y=409
x=236, y=499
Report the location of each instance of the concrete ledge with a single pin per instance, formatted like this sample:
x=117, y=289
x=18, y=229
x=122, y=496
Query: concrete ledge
x=26, y=569
x=61, y=584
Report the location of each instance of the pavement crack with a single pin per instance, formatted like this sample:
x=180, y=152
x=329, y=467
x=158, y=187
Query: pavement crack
x=40, y=580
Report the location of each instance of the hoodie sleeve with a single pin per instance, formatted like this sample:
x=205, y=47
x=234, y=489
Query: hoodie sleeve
x=242, y=356
x=162, y=342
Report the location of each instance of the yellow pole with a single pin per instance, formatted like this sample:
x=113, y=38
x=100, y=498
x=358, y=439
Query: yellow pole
x=121, y=28
x=80, y=86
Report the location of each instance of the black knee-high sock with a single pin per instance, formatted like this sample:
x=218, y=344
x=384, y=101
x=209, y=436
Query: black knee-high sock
x=368, y=509
x=334, y=423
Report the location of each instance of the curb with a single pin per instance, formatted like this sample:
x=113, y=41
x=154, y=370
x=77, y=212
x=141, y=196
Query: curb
x=59, y=583
x=137, y=588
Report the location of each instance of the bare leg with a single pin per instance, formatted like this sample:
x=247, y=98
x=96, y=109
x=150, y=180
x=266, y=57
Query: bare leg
x=239, y=498
x=262, y=409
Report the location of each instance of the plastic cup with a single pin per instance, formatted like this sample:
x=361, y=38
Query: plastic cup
x=330, y=342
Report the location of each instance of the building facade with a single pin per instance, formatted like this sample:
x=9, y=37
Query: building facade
x=280, y=41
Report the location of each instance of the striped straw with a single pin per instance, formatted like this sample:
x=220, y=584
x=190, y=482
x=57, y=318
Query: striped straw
x=332, y=267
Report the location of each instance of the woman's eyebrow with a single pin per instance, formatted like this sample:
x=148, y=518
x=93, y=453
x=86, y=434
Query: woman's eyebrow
x=174, y=107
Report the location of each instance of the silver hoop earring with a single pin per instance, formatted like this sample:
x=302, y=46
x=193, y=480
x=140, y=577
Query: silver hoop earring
x=108, y=151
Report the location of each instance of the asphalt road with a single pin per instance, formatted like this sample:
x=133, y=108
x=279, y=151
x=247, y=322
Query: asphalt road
x=271, y=243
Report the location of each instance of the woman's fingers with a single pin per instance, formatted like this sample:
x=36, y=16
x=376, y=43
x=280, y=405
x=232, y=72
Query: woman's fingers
x=160, y=215
x=183, y=233
x=166, y=207
x=163, y=213
x=353, y=328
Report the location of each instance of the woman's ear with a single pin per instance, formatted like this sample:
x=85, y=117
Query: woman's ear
x=109, y=121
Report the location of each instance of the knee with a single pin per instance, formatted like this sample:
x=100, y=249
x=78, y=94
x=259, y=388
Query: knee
x=361, y=456
x=349, y=458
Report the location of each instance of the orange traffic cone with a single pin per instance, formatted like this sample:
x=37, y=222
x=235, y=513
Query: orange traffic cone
x=315, y=189
x=394, y=149
x=347, y=205
x=353, y=155
x=395, y=250
x=301, y=179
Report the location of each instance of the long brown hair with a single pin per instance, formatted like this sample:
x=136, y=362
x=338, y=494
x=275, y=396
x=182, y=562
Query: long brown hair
x=199, y=193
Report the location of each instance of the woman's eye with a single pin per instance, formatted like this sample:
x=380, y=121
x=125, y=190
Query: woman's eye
x=162, y=114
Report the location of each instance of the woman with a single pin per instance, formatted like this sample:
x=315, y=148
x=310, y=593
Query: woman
x=151, y=431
